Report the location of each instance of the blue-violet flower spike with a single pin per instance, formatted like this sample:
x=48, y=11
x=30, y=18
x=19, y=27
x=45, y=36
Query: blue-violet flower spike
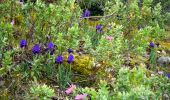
x=168, y=75
x=69, y=50
x=36, y=48
x=87, y=13
x=151, y=44
x=98, y=27
x=23, y=43
x=59, y=59
x=83, y=15
x=100, y=30
x=70, y=58
x=50, y=46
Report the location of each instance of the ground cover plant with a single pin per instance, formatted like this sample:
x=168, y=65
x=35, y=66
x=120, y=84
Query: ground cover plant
x=84, y=50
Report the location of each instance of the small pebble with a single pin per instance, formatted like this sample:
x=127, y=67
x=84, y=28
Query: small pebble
x=163, y=52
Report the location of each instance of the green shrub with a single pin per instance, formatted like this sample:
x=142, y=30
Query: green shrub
x=41, y=92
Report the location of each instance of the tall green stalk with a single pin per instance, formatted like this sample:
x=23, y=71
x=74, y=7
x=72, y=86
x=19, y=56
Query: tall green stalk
x=153, y=57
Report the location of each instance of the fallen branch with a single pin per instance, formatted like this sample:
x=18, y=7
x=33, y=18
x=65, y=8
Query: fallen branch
x=113, y=14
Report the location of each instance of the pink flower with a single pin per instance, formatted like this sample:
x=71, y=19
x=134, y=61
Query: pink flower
x=70, y=89
x=110, y=38
x=160, y=72
x=80, y=96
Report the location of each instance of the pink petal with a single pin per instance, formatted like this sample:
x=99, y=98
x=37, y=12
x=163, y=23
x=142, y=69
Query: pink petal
x=80, y=96
x=110, y=38
x=160, y=72
x=70, y=89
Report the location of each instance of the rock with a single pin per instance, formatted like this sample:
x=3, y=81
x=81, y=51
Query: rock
x=163, y=52
x=164, y=60
x=168, y=51
x=96, y=64
x=165, y=97
x=147, y=55
x=158, y=52
x=2, y=82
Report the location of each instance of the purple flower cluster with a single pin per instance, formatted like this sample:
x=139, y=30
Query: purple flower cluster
x=86, y=13
x=168, y=75
x=50, y=46
x=151, y=44
x=36, y=49
x=98, y=28
x=69, y=50
x=70, y=58
x=23, y=43
x=59, y=59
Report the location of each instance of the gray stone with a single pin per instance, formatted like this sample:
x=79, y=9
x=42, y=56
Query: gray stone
x=163, y=52
x=165, y=97
x=164, y=60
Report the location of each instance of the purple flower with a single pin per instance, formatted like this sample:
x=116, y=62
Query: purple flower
x=100, y=30
x=168, y=75
x=36, y=48
x=59, y=59
x=98, y=27
x=23, y=43
x=87, y=13
x=83, y=15
x=151, y=44
x=50, y=45
x=69, y=50
x=70, y=58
